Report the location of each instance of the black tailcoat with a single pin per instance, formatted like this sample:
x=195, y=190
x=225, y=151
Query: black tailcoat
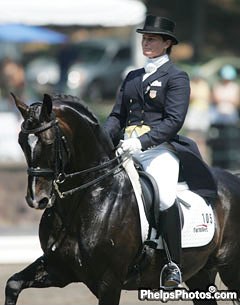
x=161, y=102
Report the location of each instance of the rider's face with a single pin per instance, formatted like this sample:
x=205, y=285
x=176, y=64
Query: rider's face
x=153, y=45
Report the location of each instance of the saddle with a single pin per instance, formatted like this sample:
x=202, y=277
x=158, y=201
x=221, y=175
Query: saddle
x=151, y=200
x=196, y=213
x=150, y=197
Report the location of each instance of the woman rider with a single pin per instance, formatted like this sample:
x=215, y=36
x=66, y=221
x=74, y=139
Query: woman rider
x=150, y=109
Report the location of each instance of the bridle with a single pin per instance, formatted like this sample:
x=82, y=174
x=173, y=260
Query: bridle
x=59, y=147
x=57, y=174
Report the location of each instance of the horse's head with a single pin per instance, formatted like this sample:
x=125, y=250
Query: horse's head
x=54, y=139
x=38, y=140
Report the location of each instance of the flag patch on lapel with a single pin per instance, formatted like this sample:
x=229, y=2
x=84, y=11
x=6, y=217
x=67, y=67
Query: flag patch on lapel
x=152, y=93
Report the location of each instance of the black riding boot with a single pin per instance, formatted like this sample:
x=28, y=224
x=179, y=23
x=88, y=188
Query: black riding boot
x=170, y=225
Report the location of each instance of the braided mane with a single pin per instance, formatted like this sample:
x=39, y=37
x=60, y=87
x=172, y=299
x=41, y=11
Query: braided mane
x=77, y=104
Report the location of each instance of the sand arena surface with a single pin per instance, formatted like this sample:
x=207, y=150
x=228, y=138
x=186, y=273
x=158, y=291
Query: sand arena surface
x=73, y=294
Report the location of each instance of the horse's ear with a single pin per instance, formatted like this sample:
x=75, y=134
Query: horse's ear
x=22, y=107
x=46, y=107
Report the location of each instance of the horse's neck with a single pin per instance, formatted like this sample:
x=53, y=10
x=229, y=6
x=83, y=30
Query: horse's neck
x=88, y=154
x=106, y=198
x=106, y=204
x=88, y=146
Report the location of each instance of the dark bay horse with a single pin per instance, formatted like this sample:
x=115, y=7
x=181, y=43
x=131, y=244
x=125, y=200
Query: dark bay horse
x=90, y=229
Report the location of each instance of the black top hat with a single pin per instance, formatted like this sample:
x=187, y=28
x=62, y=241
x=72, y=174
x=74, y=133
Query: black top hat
x=159, y=25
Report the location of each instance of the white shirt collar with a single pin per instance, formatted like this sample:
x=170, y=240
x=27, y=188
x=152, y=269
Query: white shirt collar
x=153, y=64
x=158, y=61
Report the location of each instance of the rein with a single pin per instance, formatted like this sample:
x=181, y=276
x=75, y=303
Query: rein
x=58, y=173
x=62, y=177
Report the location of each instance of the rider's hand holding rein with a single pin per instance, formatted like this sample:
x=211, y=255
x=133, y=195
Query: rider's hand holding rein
x=132, y=145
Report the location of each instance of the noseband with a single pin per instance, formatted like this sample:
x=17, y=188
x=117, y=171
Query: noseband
x=58, y=175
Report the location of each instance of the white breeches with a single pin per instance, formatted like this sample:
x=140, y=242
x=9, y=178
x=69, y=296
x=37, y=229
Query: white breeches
x=163, y=165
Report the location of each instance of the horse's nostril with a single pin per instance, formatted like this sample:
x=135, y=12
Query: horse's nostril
x=43, y=203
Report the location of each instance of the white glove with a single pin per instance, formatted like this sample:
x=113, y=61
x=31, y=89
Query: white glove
x=132, y=145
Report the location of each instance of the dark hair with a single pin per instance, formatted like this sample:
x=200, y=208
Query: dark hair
x=166, y=37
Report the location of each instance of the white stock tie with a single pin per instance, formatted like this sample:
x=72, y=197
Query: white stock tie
x=150, y=68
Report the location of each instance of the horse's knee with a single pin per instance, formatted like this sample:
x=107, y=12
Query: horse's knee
x=13, y=286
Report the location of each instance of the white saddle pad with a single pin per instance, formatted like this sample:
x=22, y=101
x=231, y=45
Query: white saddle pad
x=199, y=224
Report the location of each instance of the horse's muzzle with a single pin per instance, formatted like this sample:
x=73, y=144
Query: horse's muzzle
x=40, y=203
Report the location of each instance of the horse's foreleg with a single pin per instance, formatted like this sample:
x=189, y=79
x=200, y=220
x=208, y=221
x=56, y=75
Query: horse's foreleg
x=35, y=275
x=109, y=290
x=201, y=281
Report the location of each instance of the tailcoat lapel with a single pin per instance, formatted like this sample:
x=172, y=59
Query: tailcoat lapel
x=156, y=75
x=138, y=82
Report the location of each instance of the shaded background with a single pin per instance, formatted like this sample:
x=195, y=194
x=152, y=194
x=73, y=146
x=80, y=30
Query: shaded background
x=210, y=26
x=39, y=57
